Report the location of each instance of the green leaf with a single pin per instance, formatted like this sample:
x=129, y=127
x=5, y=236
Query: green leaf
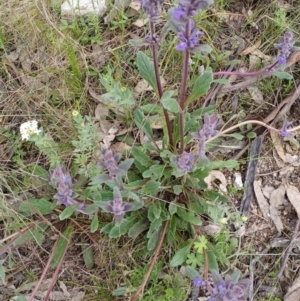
x=107, y=228
x=188, y=216
x=120, y=291
x=125, y=225
x=235, y=276
x=138, y=228
x=282, y=75
x=169, y=103
x=137, y=42
x=191, y=272
x=230, y=164
x=221, y=81
x=151, y=187
x=153, y=240
x=21, y=298
x=154, y=172
x=2, y=274
x=201, y=86
x=61, y=245
x=204, y=49
x=201, y=244
x=212, y=261
x=43, y=206
x=251, y=135
x=232, y=63
x=88, y=256
x=68, y=211
x=180, y=256
x=151, y=108
x=125, y=165
x=36, y=234
x=94, y=223
x=141, y=156
x=172, y=227
x=177, y=189
x=173, y=208
x=156, y=209
x=146, y=69
x=237, y=136
x=142, y=123
x=214, y=196
x=154, y=226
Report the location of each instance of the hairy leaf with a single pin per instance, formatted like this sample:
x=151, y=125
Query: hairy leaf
x=146, y=69
x=201, y=86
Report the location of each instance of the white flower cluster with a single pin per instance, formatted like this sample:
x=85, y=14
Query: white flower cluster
x=28, y=128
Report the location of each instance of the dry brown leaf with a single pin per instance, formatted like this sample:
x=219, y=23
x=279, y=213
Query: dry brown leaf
x=136, y=5
x=254, y=228
x=140, y=22
x=278, y=144
x=262, y=202
x=251, y=48
x=277, y=199
x=278, y=161
x=108, y=102
x=101, y=111
x=263, y=56
x=267, y=190
x=254, y=61
x=156, y=121
x=293, y=293
x=294, y=197
x=210, y=229
x=216, y=174
x=142, y=86
x=256, y=95
x=119, y=147
x=293, y=160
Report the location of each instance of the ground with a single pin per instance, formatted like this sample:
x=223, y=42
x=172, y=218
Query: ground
x=52, y=67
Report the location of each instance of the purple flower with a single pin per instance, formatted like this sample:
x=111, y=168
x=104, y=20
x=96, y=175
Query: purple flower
x=207, y=131
x=228, y=290
x=284, y=132
x=188, y=8
x=110, y=162
x=188, y=40
x=197, y=282
x=151, y=8
x=285, y=47
x=185, y=161
x=117, y=206
x=62, y=182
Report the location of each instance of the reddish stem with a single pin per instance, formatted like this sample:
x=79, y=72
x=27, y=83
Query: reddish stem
x=185, y=68
x=158, y=82
x=254, y=73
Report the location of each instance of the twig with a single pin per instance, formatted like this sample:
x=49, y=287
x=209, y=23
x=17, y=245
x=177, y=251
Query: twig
x=152, y=262
x=288, y=251
x=44, y=271
x=54, y=277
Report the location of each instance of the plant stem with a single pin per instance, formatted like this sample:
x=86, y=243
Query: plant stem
x=185, y=67
x=154, y=50
x=254, y=73
x=221, y=133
